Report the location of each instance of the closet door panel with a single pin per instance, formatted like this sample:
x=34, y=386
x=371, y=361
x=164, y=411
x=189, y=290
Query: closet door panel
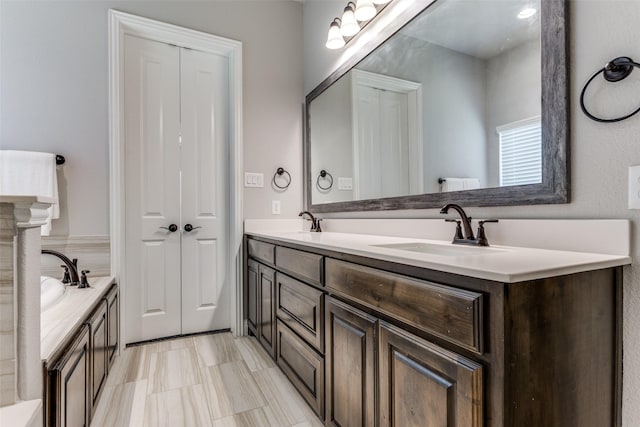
x=152, y=190
x=204, y=78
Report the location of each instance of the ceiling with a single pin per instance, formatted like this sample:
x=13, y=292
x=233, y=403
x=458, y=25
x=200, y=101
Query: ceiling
x=480, y=28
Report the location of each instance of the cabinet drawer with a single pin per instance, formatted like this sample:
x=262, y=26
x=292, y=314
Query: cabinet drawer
x=449, y=313
x=303, y=366
x=302, y=264
x=301, y=307
x=261, y=250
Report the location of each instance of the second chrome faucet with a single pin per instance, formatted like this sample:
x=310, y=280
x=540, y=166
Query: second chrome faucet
x=464, y=223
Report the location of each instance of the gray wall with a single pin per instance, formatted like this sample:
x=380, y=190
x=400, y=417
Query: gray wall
x=600, y=153
x=453, y=132
x=335, y=152
x=513, y=93
x=54, y=86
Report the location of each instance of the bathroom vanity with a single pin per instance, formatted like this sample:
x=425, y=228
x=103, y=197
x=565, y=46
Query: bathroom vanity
x=374, y=335
x=78, y=347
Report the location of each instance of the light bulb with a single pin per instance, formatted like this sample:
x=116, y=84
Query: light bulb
x=365, y=10
x=335, y=39
x=381, y=1
x=349, y=26
x=527, y=12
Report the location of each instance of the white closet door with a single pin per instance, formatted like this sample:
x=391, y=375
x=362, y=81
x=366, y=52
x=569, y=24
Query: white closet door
x=382, y=152
x=394, y=169
x=152, y=162
x=205, y=287
x=368, y=175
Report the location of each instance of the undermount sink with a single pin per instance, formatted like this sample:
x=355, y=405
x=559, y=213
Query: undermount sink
x=444, y=250
x=51, y=291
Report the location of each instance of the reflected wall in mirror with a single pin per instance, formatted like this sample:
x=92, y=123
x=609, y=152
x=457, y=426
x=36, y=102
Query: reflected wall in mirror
x=458, y=100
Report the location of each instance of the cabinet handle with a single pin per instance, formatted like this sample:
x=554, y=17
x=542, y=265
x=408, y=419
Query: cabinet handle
x=172, y=228
x=188, y=228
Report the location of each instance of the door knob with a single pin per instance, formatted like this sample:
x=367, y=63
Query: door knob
x=172, y=228
x=188, y=228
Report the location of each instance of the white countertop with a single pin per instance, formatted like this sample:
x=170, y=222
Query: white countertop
x=59, y=322
x=506, y=264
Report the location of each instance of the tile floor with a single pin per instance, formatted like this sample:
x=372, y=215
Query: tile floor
x=208, y=380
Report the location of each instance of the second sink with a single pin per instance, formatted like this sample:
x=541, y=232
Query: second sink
x=444, y=250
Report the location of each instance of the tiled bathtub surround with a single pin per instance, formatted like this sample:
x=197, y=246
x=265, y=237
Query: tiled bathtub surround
x=92, y=253
x=7, y=326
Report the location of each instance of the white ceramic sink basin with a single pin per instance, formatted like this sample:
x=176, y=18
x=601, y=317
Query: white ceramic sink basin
x=443, y=250
x=51, y=291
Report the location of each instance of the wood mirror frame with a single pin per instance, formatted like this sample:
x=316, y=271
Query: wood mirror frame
x=555, y=127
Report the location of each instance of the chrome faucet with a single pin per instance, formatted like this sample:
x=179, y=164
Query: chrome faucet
x=464, y=223
x=315, y=222
x=72, y=266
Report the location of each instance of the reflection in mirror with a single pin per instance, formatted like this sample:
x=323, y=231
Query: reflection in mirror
x=451, y=102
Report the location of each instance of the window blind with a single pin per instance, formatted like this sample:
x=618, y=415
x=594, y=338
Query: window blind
x=521, y=152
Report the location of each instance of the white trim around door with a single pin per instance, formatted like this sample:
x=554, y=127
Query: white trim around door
x=121, y=23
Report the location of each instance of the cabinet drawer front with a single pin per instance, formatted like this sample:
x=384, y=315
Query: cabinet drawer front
x=449, y=313
x=261, y=250
x=413, y=371
x=301, y=307
x=302, y=264
x=303, y=366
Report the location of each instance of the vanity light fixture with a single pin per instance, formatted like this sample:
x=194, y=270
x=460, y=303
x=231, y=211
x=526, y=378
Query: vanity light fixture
x=355, y=16
x=365, y=10
x=335, y=39
x=350, y=26
x=527, y=12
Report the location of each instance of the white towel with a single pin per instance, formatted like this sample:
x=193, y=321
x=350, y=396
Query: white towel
x=459, y=184
x=30, y=173
x=470, y=183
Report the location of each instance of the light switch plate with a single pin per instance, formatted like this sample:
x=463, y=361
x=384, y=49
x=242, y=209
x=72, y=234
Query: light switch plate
x=345, y=183
x=275, y=207
x=252, y=179
x=634, y=187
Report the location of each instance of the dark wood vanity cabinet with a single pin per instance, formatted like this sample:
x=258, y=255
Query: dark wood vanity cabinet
x=68, y=383
x=98, y=325
x=423, y=385
x=374, y=343
x=267, y=311
x=351, y=354
x=113, y=331
x=76, y=376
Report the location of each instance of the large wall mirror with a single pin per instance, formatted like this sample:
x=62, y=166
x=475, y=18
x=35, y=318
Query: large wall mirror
x=466, y=103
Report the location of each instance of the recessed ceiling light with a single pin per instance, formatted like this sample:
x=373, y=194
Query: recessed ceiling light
x=527, y=12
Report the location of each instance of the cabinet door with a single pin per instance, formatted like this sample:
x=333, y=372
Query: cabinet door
x=69, y=399
x=99, y=335
x=424, y=385
x=303, y=366
x=267, y=312
x=113, y=317
x=350, y=355
x=252, y=296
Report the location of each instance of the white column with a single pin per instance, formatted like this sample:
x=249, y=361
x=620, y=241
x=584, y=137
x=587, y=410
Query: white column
x=7, y=308
x=28, y=304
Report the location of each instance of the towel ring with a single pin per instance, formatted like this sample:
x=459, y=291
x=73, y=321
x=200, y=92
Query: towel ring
x=279, y=173
x=327, y=177
x=614, y=71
